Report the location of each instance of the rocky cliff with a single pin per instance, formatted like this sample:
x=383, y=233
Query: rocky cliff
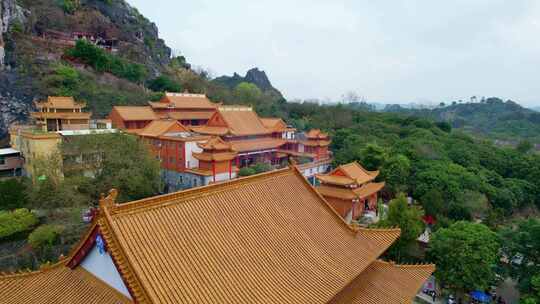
x=254, y=76
x=34, y=35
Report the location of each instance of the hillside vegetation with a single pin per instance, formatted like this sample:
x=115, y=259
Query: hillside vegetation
x=492, y=118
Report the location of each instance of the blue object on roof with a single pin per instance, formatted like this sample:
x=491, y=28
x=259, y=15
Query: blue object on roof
x=480, y=296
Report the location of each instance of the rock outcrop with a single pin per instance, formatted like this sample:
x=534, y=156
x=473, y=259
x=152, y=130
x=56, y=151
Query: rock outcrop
x=254, y=76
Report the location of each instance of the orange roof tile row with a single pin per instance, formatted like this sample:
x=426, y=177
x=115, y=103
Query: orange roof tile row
x=160, y=127
x=215, y=143
x=60, y=102
x=184, y=101
x=242, y=121
x=134, y=113
x=210, y=130
x=59, y=284
x=275, y=124
x=269, y=238
x=187, y=115
x=384, y=282
x=61, y=115
x=315, y=143
x=221, y=156
x=368, y=189
x=316, y=134
x=257, y=144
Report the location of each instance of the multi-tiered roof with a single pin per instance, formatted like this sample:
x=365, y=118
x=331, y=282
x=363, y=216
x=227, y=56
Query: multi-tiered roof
x=269, y=238
x=350, y=181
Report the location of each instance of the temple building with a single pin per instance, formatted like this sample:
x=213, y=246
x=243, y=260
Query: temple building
x=55, y=120
x=131, y=117
x=268, y=238
x=61, y=113
x=350, y=190
x=188, y=109
x=215, y=161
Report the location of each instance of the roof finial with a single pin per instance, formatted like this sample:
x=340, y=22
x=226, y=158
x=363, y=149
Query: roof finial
x=110, y=200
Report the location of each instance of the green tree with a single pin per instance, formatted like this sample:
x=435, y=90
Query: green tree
x=247, y=93
x=409, y=220
x=521, y=245
x=524, y=146
x=373, y=156
x=12, y=194
x=163, y=83
x=433, y=203
x=118, y=160
x=396, y=173
x=465, y=255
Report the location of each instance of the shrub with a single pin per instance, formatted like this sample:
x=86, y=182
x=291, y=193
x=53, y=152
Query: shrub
x=17, y=221
x=261, y=167
x=246, y=171
x=102, y=61
x=164, y=83
x=44, y=236
x=12, y=194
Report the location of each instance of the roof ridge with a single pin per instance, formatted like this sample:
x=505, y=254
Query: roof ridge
x=184, y=195
x=394, y=264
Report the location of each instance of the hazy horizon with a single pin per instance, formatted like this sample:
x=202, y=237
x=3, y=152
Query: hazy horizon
x=387, y=51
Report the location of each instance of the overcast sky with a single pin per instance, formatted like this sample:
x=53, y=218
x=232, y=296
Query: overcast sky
x=385, y=50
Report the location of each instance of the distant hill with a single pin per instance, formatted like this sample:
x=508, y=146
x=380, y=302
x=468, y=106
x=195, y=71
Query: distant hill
x=254, y=76
x=537, y=109
x=492, y=118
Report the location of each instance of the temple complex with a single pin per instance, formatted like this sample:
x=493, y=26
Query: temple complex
x=267, y=238
x=61, y=113
x=237, y=137
x=350, y=190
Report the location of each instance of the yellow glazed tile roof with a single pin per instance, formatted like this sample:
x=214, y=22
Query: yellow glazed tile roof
x=132, y=113
x=184, y=101
x=257, y=144
x=58, y=284
x=268, y=238
x=60, y=102
x=160, y=127
x=384, y=282
x=351, y=173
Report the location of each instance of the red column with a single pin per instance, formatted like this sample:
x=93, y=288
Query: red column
x=230, y=169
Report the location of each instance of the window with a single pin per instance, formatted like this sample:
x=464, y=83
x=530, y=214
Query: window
x=2, y=160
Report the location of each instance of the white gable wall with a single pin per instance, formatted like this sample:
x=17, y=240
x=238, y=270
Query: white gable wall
x=102, y=266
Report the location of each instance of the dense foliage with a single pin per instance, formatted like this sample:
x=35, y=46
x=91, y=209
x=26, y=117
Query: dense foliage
x=44, y=236
x=466, y=255
x=103, y=61
x=521, y=247
x=12, y=194
x=409, y=220
x=16, y=221
x=255, y=169
x=490, y=117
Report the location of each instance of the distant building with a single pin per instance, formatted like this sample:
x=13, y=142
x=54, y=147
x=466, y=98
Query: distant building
x=131, y=117
x=350, y=190
x=268, y=238
x=61, y=113
x=56, y=120
x=10, y=163
x=188, y=109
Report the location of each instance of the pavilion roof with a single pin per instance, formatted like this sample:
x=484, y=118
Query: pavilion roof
x=350, y=193
x=158, y=128
x=316, y=134
x=60, y=102
x=215, y=143
x=184, y=101
x=348, y=174
x=58, y=284
x=134, y=113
